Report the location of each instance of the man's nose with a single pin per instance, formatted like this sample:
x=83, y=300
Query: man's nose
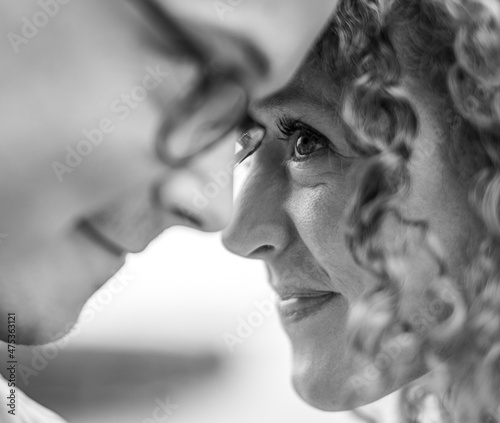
x=198, y=196
x=202, y=192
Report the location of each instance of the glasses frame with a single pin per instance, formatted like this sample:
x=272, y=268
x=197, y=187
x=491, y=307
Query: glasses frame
x=212, y=75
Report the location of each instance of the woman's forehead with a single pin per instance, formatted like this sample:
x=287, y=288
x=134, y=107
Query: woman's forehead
x=311, y=89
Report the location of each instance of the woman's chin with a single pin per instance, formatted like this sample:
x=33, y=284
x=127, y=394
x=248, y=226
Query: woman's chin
x=319, y=394
x=324, y=397
x=324, y=383
x=319, y=381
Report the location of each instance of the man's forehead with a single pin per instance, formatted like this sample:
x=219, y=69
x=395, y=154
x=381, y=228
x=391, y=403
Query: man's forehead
x=282, y=30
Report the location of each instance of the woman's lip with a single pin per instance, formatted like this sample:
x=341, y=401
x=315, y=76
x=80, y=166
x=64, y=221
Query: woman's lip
x=295, y=308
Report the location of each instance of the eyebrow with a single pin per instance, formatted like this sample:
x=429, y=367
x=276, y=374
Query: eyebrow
x=292, y=95
x=168, y=26
x=298, y=102
x=280, y=99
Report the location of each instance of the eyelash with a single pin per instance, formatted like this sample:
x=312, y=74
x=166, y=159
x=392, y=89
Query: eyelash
x=289, y=126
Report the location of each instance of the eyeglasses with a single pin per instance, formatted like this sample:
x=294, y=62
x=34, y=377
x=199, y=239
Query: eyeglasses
x=216, y=105
x=249, y=142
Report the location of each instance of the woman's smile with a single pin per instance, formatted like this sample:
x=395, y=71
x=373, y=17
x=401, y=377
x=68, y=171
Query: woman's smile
x=300, y=295
x=299, y=306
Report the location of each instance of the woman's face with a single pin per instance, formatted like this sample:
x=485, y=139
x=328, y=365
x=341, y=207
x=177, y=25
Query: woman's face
x=290, y=213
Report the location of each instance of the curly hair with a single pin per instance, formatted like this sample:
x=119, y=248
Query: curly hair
x=452, y=47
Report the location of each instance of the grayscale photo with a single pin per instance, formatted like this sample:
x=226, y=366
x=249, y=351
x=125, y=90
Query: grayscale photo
x=250, y=211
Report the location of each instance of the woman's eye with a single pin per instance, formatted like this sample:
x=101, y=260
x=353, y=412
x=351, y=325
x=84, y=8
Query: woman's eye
x=307, y=144
x=304, y=139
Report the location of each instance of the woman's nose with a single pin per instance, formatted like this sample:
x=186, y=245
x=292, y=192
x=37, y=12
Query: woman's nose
x=201, y=192
x=259, y=228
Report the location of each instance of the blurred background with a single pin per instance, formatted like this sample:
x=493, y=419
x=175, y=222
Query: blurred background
x=183, y=334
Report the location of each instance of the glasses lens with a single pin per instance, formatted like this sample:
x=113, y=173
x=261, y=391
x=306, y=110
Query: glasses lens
x=248, y=143
x=201, y=120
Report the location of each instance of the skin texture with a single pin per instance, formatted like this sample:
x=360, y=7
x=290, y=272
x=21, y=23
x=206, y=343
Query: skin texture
x=68, y=77
x=291, y=215
x=258, y=20
x=61, y=82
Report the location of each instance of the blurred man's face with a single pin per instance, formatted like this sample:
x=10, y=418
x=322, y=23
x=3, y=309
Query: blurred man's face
x=83, y=94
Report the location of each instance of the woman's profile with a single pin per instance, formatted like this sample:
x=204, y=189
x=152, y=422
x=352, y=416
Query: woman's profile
x=374, y=200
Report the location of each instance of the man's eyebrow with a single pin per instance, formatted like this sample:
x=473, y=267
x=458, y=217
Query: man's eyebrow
x=168, y=26
x=256, y=56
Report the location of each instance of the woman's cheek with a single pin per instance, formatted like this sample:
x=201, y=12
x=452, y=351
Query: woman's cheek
x=317, y=211
x=320, y=168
